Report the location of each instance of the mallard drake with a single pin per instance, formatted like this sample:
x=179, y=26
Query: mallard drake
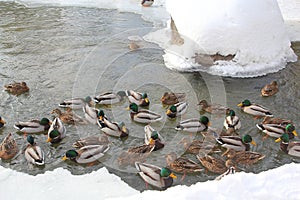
x=244, y=157
x=114, y=129
x=2, y=122
x=170, y=98
x=153, y=137
x=8, y=147
x=33, y=153
x=197, y=146
x=254, y=109
x=86, y=154
x=92, y=140
x=269, y=89
x=91, y=114
x=57, y=131
x=109, y=98
x=142, y=115
x=33, y=126
x=291, y=148
x=194, y=125
x=274, y=120
x=158, y=177
x=276, y=130
x=75, y=103
x=212, y=164
x=232, y=121
x=213, y=108
x=68, y=117
x=147, y=3
x=235, y=142
x=140, y=99
x=17, y=88
x=177, y=109
x=101, y=117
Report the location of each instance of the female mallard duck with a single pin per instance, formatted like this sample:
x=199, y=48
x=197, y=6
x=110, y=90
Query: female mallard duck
x=213, y=108
x=194, y=125
x=274, y=120
x=291, y=148
x=235, y=142
x=145, y=148
x=92, y=140
x=232, y=121
x=214, y=165
x=68, y=117
x=196, y=146
x=17, y=88
x=75, y=103
x=244, y=157
x=33, y=126
x=158, y=177
x=276, y=130
x=33, y=153
x=8, y=147
x=153, y=137
x=143, y=116
x=269, y=89
x=177, y=109
x=114, y=129
x=140, y=99
x=57, y=131
x=86, y=154
x=170, y=98
x=109, y=98
x=2, y=122
x=254, y=109
x=147, y=3
x=91, y=114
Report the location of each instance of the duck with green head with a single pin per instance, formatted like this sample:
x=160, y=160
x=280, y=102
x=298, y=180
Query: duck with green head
x=56, y=132
x=101, y=117
x=177, y=109
x=235, y=142
x=33, y=126
x=140, y=99
x=2, y=122
x=75, y=103
x=232, y=121
x=291, y=148
x=194, y=125
x=142, y=115
x=276, y=130
x=114, y=129
x=153, y=137
x=33, y=153
x=254, y=109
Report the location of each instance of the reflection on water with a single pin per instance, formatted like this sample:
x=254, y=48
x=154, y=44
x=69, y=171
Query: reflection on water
x=63, y=52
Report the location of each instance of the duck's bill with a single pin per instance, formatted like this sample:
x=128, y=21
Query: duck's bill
x=128, y=108
x=278, y=140
x=151, y=141
x=240, y=105
x=64, y=158
x=2, y=121
x=295, y=133
x=168, y=112
x=48, y=139
x=146, y=100
x=253, y=143
x=208, y=124
x=101, y=118
x=173, y=175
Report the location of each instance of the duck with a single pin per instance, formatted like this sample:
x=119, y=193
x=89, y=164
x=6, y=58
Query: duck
x=158, y=177
x=197, y=146
x=276, y=130
x=147, y=3
x=33, y=153
x=145, y=148
x=8, y=148
x=213, y=108
x=177, y=109
x=92, y=140
x=213, y=164
x=75, y=103
x=2, y=122
x=114, y=129
x=68, y=117
x=269, y=89
x=194, y=125
x=142, y=115
x=140, y=99
x=101, y=117
x=275, y=120
x=33, y=126
x=153, y=137
x=127, y=158
x=236, y=143
x=86, y=154
x=232, y=121
x=170, y=98
x=290, y=148
x=244, y=157
x=254, y=109
x=109, y=98
x=57, y=131
x=91, y=114
x=17, y=88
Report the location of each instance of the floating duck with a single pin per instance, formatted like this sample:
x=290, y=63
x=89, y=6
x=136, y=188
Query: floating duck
x=177, y=109
x=17, y=88
x=196, y=146
x=68, y=117
x=8, y=147
x=57, y=131
x=236, y=143
x=33, y=153
x=158, y=177
x=232, y=121
x=254, y=109
x=213, y=108
x=2, y=122
x=109, y=98
x=114, y=129
x=140, y=99
x=75, y=103
x=213, y=164
x=170, y=98
x=145, y=148
x=194, y=125
x=91, y=114
x=147, y=3
x=92, y=140
x=269, y=89
x=127, y=158
x=33, y=126
x=244, y=157
x=142, y=115
x=276, y=130
x=291, y=148
x=153, y=137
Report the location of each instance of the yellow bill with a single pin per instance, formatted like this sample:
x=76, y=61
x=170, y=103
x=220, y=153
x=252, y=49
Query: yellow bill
x=64, y=158
x=295, y=133
x=240, y=105
x=173, y=175
x=278, y=140
x=253, y=143
x=48, y=139
x=168, y=112
x=2, y=121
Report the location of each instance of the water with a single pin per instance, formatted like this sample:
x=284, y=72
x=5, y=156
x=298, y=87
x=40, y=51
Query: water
x=64, y=52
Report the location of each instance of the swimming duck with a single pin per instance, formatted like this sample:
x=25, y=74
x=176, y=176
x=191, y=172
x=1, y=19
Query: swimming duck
x=145, y=148
x=75, y=103
x=92, y=140
x=101, y=117
x=195, y=146
x=2, y=122
x=254, y=109
x=33, y=153
x=158, y=177
x=86, y=154
x=177, y=109
x=91, y=114
x=213, y=108
x=17, y=88
x=147, y=3
x=269, y=89
x=194, y=125
x=276, y=130
x=140, y=99
x=153, y=137
x=274, y=120
x=109, y=98
x=232, y=121
x=8, y=147
x=235, y=142
x=127, y=158
x=170, y=98
x=114, y=129
x=68, y=117
x=213, y=164
x=33, y=126
x=143, y=116
x=291, y=148
x=244, y=157
x=57, y=131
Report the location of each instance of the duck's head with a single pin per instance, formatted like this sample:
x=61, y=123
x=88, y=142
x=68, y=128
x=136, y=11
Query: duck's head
x=204, y=120
x=88, y=100
x=291, y=129
x=70, y=154
x=133, y=107
x=154, y=136
x=30, y=139
x=248, y=139
x=145, y=97
x=101, y=115
x=45, y=121
x=244, y=103
x=166, y=172
x=2, y=122
x=231, y=113
x=53, y=134
x=284, y=138
x=172, y=109
x=203, y=103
